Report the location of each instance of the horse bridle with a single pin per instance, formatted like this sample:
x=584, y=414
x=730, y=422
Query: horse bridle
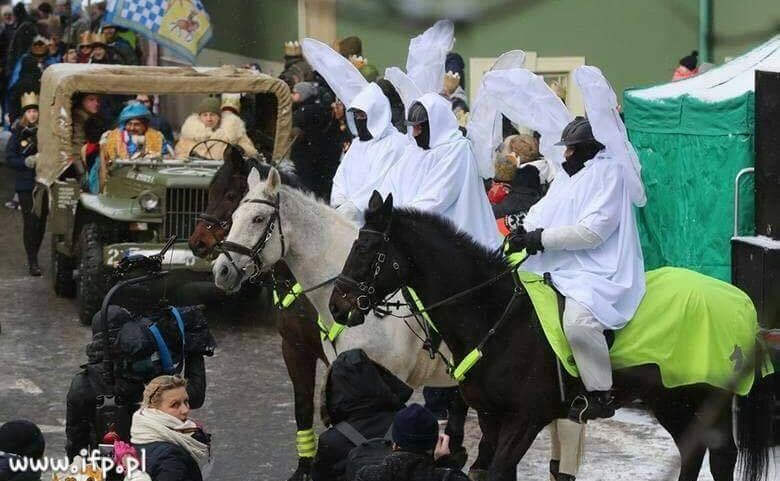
x=254, y=252
x=365, y=301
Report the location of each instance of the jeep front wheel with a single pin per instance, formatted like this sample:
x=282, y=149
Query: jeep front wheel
x=61, y=271
x=94, y=276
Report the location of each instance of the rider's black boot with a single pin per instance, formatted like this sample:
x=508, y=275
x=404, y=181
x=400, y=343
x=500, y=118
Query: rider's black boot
x=592, y=405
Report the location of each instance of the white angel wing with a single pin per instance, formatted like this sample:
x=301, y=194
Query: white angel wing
x=345, y=80
x=484, y=126
x=526, y=99
x=510, y=59
x=427, y=54
x=601, y=107
x=405, y=86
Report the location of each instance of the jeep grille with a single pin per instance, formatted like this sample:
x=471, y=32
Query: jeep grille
x=182, y=207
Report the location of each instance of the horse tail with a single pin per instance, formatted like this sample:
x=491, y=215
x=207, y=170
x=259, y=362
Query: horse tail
x=754, y=425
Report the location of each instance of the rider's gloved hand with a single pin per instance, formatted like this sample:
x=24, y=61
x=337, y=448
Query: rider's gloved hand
x=533, y=242
x=516, y=240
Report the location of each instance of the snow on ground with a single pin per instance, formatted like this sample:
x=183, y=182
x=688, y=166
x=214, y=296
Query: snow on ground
x=630, y=446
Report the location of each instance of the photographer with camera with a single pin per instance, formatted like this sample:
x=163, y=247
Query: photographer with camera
x=21, y=155
x=171, y=341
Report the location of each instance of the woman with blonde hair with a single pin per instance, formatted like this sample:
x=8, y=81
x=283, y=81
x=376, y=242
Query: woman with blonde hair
x=177, y=449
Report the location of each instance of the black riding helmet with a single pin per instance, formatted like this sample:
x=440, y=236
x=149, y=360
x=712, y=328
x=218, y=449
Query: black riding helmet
x=578, y=131
x=417, y=114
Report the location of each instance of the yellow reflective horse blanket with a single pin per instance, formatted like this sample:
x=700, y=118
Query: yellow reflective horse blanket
x=695, y=328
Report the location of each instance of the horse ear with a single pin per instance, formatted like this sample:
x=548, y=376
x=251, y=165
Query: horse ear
x=387, y=208
x=233, y=155
x=273, y=182
x=375, y=202
x=253, y=180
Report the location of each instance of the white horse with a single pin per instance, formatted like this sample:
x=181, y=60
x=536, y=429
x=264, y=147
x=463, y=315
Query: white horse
x=314, y=240
x=317, y=241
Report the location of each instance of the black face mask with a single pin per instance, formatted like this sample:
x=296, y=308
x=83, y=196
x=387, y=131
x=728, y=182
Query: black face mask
x=362, y=129
x=582, y=153
x=424, y=139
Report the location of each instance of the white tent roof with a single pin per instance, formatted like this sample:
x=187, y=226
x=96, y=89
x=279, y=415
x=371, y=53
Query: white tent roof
x=726, y=81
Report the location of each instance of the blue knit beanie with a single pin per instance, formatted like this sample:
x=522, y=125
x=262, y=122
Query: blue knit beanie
x=134, y=111
x=415, y=429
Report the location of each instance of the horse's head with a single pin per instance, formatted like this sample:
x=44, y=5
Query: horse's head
x=225, y=192
x=374, y=268
x=256, y=238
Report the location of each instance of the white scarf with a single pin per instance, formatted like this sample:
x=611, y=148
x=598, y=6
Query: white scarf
x=152, y=425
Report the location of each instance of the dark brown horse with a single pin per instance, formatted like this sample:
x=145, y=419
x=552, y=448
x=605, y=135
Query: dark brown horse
x=514, y=387
x=301, y=344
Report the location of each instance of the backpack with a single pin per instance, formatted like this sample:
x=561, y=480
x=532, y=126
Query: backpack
x=367, y=452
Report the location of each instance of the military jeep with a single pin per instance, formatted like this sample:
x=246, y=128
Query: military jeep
x=144, y=201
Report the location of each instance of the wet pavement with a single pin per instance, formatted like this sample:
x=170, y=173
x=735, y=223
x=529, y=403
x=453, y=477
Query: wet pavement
x=248, y=406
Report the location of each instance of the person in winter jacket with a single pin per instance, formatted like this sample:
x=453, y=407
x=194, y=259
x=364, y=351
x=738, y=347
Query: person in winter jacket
x=26, y=31
x=416, y=447
x=520, y=162
x=176, y=448
x=131, y=373
x=124, y=53
x=6, y=35
x=20, y=155
x=363, y=394
x=26, y=74
x=314, y=152
x=18, y=440
x=211, y=123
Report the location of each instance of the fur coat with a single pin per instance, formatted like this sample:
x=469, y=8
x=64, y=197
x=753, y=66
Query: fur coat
x=231, y=129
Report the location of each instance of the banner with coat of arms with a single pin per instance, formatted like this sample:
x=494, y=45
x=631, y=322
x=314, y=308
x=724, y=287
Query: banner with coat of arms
x=182, y=26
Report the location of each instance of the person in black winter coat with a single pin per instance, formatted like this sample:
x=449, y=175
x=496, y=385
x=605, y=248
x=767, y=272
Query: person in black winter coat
x=416, y=446
x=363, y=394
x=176, y=448
x=525, y=191
x=131, y=336
x=26, y=31
x=20, y=152
x=20, y=439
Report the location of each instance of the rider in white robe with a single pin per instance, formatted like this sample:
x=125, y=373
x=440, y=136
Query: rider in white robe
x=439, y=174
x=376, y=148
x=584, y=233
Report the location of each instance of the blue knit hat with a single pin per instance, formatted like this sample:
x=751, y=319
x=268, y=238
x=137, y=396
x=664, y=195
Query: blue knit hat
x=134, y=111
x=415, y=429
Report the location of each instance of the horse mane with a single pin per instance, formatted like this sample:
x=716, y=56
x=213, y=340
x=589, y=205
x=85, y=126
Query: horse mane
x=449, y=235
x=285, y=168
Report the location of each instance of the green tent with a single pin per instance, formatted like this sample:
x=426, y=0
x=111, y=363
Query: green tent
x=693, y=136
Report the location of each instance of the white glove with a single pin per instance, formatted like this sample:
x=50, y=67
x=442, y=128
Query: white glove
x=30, y=160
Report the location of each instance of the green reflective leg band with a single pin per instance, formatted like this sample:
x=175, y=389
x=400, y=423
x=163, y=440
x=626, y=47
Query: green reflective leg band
x=306, y=442
x=292, y=296
x=276, y=298
x=323, y=328
x=466, y=364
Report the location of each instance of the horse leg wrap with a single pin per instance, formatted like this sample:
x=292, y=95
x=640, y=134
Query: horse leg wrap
x=306, y=443
x=571, y=437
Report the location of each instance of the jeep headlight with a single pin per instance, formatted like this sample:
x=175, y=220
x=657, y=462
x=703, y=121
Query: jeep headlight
x=149, y=201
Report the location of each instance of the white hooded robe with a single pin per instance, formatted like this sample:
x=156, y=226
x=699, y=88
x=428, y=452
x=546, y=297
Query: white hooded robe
x=444, y=179
x=608, y=279
x=367, y=162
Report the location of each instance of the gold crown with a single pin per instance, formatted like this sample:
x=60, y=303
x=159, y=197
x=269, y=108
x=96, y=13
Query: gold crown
x=358, y=61
x=85, y=38
x=293, y=49
x=29, y=99
x=451, y=82
x=231, y=101
x=98, y=38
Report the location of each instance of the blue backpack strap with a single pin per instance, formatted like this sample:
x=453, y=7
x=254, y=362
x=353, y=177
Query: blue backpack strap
x=162, y=348
x=180, y=323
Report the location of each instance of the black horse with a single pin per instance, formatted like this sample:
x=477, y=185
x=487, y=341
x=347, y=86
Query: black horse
x=515, y=388
x=301, y=344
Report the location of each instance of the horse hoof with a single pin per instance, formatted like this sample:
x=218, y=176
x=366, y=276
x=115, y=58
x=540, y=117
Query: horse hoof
x=478, y=474
x=303, y=472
